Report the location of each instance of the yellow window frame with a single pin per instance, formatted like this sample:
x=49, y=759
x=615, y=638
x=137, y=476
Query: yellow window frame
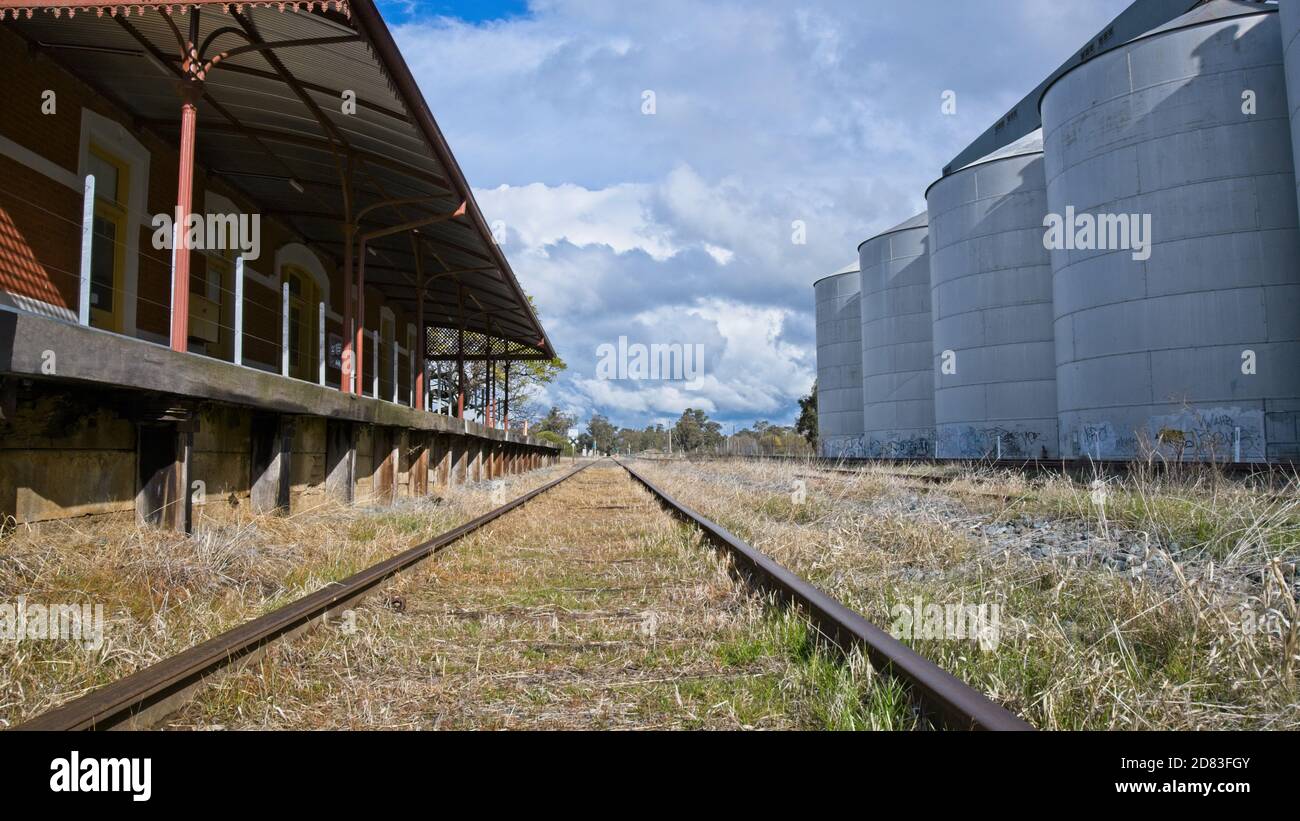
x=218, y=280
x=306, y=302
x=113, y=209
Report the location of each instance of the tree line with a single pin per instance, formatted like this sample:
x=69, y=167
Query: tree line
x=693, y=433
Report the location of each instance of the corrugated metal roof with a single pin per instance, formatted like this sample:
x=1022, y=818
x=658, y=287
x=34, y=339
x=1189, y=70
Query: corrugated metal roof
x=1211, y=11
x=921, y=220
x=851, y=268
x=1031, y=143
x=258, y=134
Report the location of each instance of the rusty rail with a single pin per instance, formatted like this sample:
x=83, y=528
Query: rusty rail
x=1276, y=469
x=956, y=703
x=145, y=696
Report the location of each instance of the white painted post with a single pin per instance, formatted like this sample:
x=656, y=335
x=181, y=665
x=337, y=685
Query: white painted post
x=353, y=387
x=374, y=361
x=239, y=310
x=176, y=233
x=284, y=328
x=396, y=348
x=87, y=243
x=324, y=354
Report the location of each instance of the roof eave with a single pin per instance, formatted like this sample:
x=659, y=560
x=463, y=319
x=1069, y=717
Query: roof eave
x=375, y=30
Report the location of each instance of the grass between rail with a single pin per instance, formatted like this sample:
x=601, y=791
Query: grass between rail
x=1150, y=602
x=589, y=608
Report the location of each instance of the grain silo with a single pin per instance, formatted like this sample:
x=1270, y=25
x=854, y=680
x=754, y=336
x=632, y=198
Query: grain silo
x=991, y=297
x=1290, y=21
x=839, y=363
x=897, y=378
x=1176, y=260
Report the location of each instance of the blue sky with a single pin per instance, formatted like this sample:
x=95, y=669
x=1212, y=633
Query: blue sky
x=676, y=226
x=471, y=11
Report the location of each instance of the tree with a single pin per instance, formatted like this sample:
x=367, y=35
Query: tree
x=585, y=442
x=807, y=423
x=557, y=422
x=694, y=431
x=766, y=439
x=560, y=441
x=603, y=433
x=525, y=377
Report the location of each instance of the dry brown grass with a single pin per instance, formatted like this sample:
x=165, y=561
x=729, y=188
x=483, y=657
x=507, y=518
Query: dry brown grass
x=588, y=608
x=163, y=592
x=1123, y=615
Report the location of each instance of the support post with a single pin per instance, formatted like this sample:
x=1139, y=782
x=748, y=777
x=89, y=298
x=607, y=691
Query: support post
x=374, y=364
x=418, y=362
x=284, y=328
x=323, y=353
x=180, y=325
x=393, y=364
x=345, y=355
x=239, y=310
x=460, y=376
x=359, y=348
x=87, y=245
x=347, y=358
x=489, y=381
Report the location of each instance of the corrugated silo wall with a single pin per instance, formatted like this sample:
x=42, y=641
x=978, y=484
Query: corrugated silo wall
x=991, y=280
x=1290, y=20
x=839, y=365
x=898, y=385
x=1152, y=353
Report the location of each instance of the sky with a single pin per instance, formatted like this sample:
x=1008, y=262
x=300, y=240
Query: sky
x=654, y=165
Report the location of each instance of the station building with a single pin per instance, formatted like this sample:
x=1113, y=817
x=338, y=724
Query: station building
x=335, y=318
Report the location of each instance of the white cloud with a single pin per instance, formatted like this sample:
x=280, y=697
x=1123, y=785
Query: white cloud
x=542, y=215
x=678, y=224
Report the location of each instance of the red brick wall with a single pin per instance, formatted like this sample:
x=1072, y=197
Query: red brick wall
x=40, y=243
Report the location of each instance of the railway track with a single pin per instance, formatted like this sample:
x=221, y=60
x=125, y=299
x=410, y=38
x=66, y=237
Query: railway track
x=148, y=696
x=1283, y=471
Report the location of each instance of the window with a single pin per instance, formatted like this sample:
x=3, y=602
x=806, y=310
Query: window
x=211, y=314
x=108, y=244
x=303, y=302
x=387, y=350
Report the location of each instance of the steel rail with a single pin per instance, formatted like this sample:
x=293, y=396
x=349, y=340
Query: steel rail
x=1285, y=468
x=145, y=696
x=956, y=703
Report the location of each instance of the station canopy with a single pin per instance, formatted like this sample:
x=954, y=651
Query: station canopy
x=272, y=125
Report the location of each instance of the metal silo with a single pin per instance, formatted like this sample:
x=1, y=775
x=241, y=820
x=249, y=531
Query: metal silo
x=839, y=363
x=1290, y=21
x=991, y=296
x=1176, y=258
x=897, y=378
